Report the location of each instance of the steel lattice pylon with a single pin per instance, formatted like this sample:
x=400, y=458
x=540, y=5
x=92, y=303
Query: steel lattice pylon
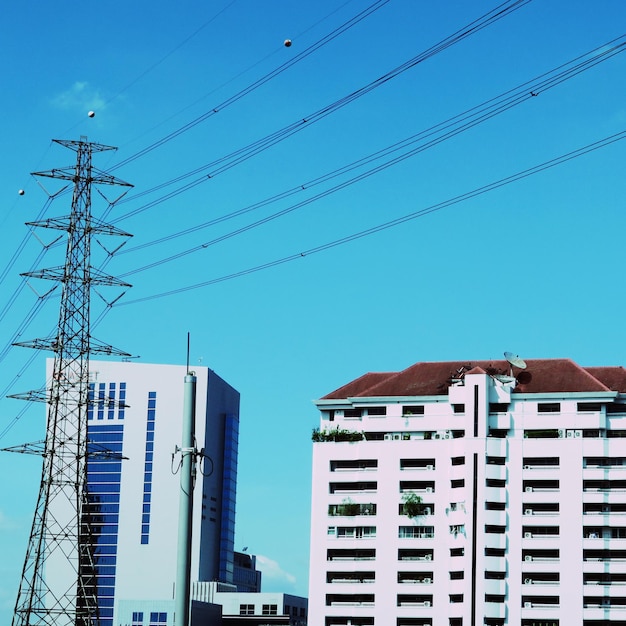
x=59, y=579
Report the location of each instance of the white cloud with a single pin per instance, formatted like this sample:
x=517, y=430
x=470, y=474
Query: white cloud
x=81, y=95
x=272, y=570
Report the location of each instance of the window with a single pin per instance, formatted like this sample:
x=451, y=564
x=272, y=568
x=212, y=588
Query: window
x=356, y=532
x=413, y=410
x=495, y=506
x=496, y=460
x=549, y=407
x=533, y=462
x=540, y=555
x=457, y=551
x=415, y=555
x=456, y=621
x=495, y=482
x=495, y=529
x=457, y=482
x=460, y=575
x=492, y=597
x=497, y=407
x=270, y=609
x=353, y=466
x=416, y=532
x=363, y=486
x=405, y=599
x=350, y=509
x=456, y=598
x=350, y=555
x=616, y=408
x=344, y=599
x=583, y=407
x=158, y=619
x=137, y=619
x=495, y=575
x=352, y=412
x=246, y=609
x=458, y=460
x=498, y=552
x=540, y=531
x=377, y=411
x=409, y=464
x=458, y=408
x=350, y=577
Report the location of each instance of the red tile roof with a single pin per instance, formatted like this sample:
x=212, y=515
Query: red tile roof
x=433, y=379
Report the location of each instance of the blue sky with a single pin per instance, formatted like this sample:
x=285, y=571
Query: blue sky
x=534, y=267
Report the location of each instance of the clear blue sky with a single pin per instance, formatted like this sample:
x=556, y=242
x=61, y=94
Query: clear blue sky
x=534, y=267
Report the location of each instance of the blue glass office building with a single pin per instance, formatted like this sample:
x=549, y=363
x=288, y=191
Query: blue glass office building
x=134, y=425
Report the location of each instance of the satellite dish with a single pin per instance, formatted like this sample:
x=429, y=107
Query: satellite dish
x=515, y=360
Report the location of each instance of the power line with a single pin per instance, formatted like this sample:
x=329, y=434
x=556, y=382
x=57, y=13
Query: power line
x=401, y=220
x=430, y=137
x=259, y=82
x=239, y=156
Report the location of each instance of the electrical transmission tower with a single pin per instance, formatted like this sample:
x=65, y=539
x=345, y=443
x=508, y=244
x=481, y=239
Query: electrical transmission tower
x=59, y=579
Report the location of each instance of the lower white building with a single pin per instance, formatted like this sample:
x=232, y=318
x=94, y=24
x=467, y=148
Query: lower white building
x=458, y=494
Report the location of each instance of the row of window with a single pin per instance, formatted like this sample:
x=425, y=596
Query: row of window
x=156, y=619
x=428, y=554
x=494, y=408
x=428, y=463
x=147, y=476
x=458, y=621
x=427, y=577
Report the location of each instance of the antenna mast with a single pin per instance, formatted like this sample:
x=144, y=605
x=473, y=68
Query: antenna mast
x=59, y=585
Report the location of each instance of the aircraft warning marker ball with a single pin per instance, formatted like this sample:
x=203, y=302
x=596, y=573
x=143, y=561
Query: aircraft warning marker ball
x=287, y=43
x=21, y=192
x=91, y=114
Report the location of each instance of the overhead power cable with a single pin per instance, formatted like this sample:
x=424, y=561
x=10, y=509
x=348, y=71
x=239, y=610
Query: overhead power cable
x=258, y=83
x=395, y=222
x=426, y=139
x=239, y=156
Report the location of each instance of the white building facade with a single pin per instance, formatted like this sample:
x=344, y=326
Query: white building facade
x=134, y=426
x=458, y=494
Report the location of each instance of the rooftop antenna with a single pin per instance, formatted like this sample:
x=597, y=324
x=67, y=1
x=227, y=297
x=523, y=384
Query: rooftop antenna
x=188, y=344
x=515, y=361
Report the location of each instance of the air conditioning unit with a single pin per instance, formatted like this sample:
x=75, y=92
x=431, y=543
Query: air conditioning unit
x=561, y=433
x=430, y=467
x=526, y=466
x=428, y=511
x=570, y=434
x=578, y=433
x=427, y=580
x=429, y=489
x=528, y=535
x=528, y=581
x=528, y=511
x=528, y=605
x=447, y=435
x=528, y=558
x=529, y=488
x=387, y=437
x=426, y=602
x=436, y=436
x=428, y=557
x=397, y=436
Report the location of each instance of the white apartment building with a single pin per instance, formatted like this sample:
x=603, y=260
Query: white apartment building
x=471, y=494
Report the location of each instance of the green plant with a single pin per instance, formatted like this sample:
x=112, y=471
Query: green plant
x=411, y=504
x=338, y=434
x=349, y=508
